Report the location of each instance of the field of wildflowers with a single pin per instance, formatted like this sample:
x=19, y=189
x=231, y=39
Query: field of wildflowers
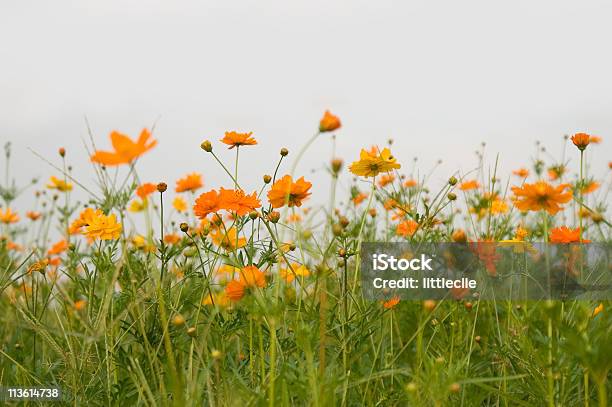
x=164, y=292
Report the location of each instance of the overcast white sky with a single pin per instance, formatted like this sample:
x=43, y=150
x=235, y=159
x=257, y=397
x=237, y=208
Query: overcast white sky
x=437, y=76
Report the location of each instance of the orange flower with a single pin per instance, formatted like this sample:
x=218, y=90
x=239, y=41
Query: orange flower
x=597, y=310
x=235, y=200
x=385, y=180
x=409, y=183
x=250, y=277
x=329, y=122
x=541, y=196
x=521, y=172
x=359, y=198
x=406, y=228
x=234, y=139
x=498, y=206
x=590, y=186
x=172, y=238
x=145, y=190
x=556, y=172
x=595, y=139
x=564, y=234
x=286, y=192
x=581, y=140
x=391, y=303
x=208, y=202
x=58, y=248
x=521, y=233
x=126, y=150
x=298, y=270
x=33, y=215
x=469, y=185
x=459, y=236
x=191, y=182
x=8, y=216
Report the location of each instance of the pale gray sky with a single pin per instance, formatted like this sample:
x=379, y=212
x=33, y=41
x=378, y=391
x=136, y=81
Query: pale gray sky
x=437, y=76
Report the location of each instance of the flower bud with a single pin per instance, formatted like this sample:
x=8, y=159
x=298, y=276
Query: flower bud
x=459, y=236
x=62, y=152
x=267, y=179
x=274, y=216
x=162, y=187
x=337, y=229
x=191, y=332
x=253, y=215
x=429, y=305
x=206, y=146
x=454, y=388
x=452, y=181
x=284, y=152
x=184, y=227
x=178, y=320
x=336, y=165
x=451, y=196
x=342, y=253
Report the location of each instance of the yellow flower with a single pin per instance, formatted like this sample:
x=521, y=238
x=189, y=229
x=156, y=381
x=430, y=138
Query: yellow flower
x=498, y=206
x=59, y=184
x=372, y=163
x=179, y=204
x=104, y=227
x=229, y=240
x=8, y=216
x=138, y=206
x=597, y=310
x=298, y=270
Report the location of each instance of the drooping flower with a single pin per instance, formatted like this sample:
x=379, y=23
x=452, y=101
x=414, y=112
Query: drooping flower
x=33, y=215
x=286, y=192
x=58, y=248
x=469, y=185
x=371, y=163
x=581, y=140
x=329, y=122
x=8, y=216
x=191, y=182
x=125, y=149
x=146, y=189
x=103, y=227
x=59, y=184
x=541, y=196
x=564, y=234
x=234, y=139
x=179, y=204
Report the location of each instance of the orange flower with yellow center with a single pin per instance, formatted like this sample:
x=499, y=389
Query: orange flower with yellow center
x=125, y=149
x=59, y=184
x=191, y=182
x=286, y=192
x=581, y=140
x=8, y=216
x=329, y=122
x=371, y=163
x=207, y=203
x=235, y=139
x=541, y=196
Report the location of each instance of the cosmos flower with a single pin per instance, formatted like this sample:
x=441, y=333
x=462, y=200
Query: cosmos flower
x=391, y=303
x=59, y=184
x=228, y=240
x=469, y=185
x=7, y=216
x=103, y=227
x=386, y=179
x=541, y=196
x=406, y=228
x=33, y=215
x=581, y=140
x=249, y=277
x=234, y=139
x=521, y=172
x=125, y=149
x=299, y=270
x=564, y=234
x=191, y=182
x=236, y=201
x=286, y=192
x=329, y=122
x=179, y=204
x=371, y=163
x=58, y=248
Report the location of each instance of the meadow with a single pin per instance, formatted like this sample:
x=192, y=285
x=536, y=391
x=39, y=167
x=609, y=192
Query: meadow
x=250, y=295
